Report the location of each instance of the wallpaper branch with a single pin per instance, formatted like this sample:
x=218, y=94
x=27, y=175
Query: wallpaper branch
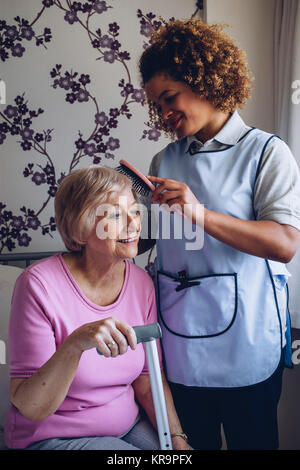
x=21, y=122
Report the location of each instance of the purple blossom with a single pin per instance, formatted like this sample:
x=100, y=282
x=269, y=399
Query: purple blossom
x=90, y=149
x=48, y=169
x=65, y=82
x=11, y=111
x=112, y=123
x=19, y=100
x=26, y=133
x=14, y=130
x=39, y=137
x=62, y=176
x=24, y=240
x=17, y=50
x=113, y=144
x=128, y=88
x=105, y=41
x=27, y=122
x=101, y=118
x=76, y=6
x=48, y=3
x=82, y=95
x=80, y=144
x=27, y=33
x=113, y=28
x=84, y=79
x=114, y=112
x=18, y=222
x=2, y=137
x=100, y=6
x=139, y=95
x=3, y=54
x=97, y=138
x=104, y=130
x=71, y=97
x=11, y=32
x=109, y=56
x=26, y=145
x=96, y=43
x=51, y=180
x=96, y=160
x=52, y=191
x=38, y=178
x=75, y=86
x=115, y=45
x=109, y=155
x=124, y=55
x=86, y=7
x=22, y=109
x=101, y=147
x=33, y=223
x=71, y=17
x=146, y=29
x=153, y=134
x=4, y=127
x=55, y=83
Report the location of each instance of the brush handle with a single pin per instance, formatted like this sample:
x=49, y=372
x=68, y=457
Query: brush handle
x=145, y=333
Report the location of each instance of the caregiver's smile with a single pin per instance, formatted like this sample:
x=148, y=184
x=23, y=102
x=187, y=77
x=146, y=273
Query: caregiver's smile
x=184, y=111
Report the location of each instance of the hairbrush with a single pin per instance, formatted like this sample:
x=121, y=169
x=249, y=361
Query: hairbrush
x=140, y=183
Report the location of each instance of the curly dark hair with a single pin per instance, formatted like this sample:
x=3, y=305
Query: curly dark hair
x=203, y=57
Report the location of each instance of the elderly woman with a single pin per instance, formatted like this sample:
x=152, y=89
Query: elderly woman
x=64, y=395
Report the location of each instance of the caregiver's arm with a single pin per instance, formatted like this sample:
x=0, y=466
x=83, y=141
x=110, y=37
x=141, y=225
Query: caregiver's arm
x=142, y=389
x=40, y=395
x=263, y=238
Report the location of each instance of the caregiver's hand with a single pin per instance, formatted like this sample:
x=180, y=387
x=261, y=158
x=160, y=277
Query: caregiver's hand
x=111, y=336
x=178, y=197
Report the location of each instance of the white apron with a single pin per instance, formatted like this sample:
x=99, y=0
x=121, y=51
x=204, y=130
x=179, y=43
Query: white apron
x=219, y=308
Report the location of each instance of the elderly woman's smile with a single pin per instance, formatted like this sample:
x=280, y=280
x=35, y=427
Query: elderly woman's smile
x=117, y=229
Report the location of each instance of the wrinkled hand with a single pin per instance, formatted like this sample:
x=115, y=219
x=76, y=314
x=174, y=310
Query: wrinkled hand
x=178, y=197
x=100, y=334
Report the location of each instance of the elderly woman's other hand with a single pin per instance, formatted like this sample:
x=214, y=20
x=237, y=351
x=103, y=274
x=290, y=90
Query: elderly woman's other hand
x=110, y=336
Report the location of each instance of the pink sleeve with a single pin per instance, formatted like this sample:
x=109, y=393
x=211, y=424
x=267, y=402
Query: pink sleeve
x=31, y=337
x=152, y=318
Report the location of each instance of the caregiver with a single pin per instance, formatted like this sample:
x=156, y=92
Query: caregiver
x=223, y=307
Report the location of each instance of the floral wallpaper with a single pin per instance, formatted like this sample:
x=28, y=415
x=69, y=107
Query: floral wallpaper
x=103, y=26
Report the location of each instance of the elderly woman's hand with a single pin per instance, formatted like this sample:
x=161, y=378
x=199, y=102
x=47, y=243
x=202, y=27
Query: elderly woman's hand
x=110, y=336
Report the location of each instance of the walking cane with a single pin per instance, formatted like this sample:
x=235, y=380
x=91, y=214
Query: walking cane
x=148, y=334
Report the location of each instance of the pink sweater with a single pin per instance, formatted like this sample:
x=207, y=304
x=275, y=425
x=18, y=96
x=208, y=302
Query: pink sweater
x=47, y=305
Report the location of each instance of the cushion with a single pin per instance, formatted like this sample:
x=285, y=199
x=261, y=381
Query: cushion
x=8, y=277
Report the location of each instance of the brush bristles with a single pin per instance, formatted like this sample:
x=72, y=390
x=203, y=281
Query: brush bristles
x=138, y=185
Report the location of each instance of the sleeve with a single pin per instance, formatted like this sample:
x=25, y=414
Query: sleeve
x=152, y=318
x=31, y=336
x=277, y=187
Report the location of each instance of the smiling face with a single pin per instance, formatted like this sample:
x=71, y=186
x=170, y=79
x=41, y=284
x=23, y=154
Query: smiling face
x=185, y=112
x=117, y=229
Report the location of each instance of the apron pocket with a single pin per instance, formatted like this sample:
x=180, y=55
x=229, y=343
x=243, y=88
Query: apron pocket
x=206, y=307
